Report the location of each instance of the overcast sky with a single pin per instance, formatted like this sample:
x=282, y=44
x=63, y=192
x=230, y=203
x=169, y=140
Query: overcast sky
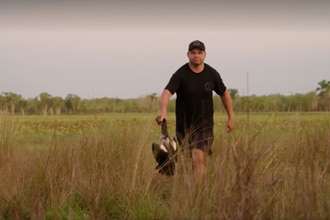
x=129, y=49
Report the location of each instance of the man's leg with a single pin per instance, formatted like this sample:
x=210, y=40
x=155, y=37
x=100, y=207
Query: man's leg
x=201, y=148
x=199, y=164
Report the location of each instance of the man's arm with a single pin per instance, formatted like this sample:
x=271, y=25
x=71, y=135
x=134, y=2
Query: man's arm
x=227, y=103
x=163, y=103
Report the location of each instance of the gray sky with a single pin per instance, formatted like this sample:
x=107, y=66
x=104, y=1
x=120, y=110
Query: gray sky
x=130, y=49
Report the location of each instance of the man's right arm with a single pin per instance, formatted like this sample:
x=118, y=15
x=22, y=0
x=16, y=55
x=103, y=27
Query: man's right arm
x=163, y=103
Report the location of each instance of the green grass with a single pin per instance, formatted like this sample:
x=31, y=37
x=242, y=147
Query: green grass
x=273, y=166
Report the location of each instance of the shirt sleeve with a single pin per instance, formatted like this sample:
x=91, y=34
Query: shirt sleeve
x=174, y=83
x=219, y=86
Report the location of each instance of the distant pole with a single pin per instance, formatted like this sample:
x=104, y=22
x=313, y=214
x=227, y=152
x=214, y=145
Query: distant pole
x=248, y=98
x=247, y=110
x=247, y=83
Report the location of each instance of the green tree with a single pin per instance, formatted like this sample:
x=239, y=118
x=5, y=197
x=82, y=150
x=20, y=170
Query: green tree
x=2, y=103
x=312, y=100
x=10, y=101
x=33, y=106
x=323, y=88
x=72, y=102
x=45, y=102
x=323, y=91
x=22, y=105
x=58, y=103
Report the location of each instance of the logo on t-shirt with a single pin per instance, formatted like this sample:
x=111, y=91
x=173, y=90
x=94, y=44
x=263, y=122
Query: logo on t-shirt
x=208, y=86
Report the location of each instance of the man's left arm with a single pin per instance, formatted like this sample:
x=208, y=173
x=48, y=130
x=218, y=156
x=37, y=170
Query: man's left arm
x=227, y=103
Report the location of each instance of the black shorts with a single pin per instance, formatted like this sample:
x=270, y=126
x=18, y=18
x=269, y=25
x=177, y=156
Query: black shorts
x=197, y=139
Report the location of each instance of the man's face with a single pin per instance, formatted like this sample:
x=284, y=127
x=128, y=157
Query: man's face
x=196, y=56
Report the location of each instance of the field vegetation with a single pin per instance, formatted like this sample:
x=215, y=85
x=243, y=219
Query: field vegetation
x=272, y=166
x=46, y=104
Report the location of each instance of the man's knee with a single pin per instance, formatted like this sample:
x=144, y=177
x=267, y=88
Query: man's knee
x=198, y=156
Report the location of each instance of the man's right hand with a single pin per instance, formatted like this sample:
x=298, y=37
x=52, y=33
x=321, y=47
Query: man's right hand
x=159, y=119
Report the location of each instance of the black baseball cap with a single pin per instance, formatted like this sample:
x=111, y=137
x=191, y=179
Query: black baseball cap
x=196, y=44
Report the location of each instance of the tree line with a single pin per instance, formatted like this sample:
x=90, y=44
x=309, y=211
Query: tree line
x=46, y=104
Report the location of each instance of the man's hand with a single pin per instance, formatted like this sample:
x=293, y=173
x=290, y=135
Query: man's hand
x=159, y=119
x=230, y=125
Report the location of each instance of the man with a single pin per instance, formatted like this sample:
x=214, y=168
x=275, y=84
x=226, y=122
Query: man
x=194, y=84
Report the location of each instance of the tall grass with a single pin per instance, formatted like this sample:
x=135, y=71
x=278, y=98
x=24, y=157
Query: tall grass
x=270, y=167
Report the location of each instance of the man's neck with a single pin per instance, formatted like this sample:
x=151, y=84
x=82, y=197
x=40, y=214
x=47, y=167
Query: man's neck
x=197, y=68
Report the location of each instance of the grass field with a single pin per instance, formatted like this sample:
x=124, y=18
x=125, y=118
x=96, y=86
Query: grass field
x=272, y=166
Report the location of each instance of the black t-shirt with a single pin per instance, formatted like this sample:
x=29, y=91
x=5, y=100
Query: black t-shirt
x=194, y=103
